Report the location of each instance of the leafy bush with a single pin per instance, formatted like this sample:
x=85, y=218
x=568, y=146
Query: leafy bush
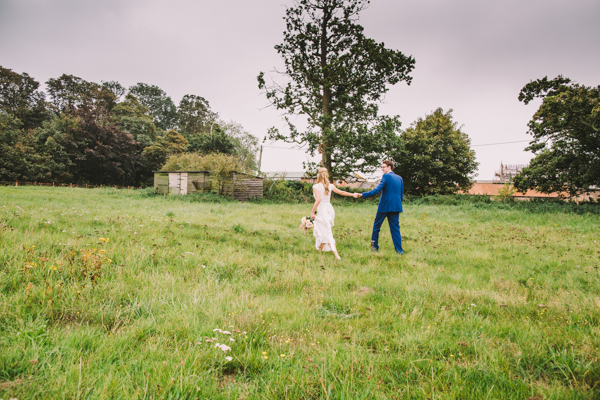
x=452, y=200
x=506, y=193
x=541, y=205
x=279, y=190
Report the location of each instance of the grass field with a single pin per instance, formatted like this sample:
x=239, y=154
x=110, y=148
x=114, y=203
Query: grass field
x=118, y=294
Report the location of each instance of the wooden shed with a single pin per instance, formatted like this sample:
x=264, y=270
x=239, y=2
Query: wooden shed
x=237, y=185
x=181, y=182
x=241, y=186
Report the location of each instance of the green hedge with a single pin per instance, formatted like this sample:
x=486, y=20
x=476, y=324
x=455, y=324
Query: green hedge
x=301, y=192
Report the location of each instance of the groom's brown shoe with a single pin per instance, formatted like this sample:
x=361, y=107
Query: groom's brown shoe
x=373, y=247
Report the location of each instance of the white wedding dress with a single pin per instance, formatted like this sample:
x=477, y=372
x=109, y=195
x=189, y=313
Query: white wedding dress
x=325, y=218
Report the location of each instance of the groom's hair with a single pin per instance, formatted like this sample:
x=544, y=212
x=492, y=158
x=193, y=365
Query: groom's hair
x=389, y=163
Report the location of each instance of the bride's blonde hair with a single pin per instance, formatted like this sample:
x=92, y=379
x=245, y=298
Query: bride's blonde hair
x=323, y=177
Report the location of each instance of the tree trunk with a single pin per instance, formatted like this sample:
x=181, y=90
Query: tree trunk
x=325, y=132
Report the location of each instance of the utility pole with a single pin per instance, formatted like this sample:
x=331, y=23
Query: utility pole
x=259, y=159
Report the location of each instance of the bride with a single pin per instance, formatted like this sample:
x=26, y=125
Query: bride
x=324, y=220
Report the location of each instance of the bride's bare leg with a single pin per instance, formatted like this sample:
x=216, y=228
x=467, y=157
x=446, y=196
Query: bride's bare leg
x=321, y=247
x=334, y=250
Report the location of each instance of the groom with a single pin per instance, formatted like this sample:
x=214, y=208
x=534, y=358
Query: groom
x=390, y=205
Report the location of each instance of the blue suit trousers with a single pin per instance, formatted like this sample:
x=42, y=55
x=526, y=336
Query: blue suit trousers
x=394, y=229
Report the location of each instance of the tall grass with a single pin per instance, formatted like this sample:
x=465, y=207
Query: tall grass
x=117, y=294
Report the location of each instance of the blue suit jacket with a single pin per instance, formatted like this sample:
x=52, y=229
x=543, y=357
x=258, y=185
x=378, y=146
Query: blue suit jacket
x=392, y=193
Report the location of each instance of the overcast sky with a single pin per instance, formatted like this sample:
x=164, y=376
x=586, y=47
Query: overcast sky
x=471, y=55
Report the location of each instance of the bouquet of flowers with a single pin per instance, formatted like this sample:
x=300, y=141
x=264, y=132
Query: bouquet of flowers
x=306, y=224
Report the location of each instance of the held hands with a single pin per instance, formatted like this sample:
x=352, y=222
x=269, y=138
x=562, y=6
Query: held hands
x=356, y=195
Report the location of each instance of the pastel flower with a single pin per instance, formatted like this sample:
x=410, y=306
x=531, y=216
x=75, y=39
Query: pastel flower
x=229, y=358
x=225, y=347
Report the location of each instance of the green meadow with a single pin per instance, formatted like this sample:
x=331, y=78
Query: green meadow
x=120, y=294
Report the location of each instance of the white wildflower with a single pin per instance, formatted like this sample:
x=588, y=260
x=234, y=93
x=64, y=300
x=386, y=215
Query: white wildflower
x=229, y=358
x=224, y=347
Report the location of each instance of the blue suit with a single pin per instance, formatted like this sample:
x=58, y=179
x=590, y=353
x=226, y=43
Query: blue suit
x=390, y=206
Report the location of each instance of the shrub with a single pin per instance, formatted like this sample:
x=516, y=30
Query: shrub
x=506, y=193
x=279, y=190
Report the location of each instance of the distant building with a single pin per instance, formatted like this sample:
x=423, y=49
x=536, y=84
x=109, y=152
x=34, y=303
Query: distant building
x=286, y=176
x=507, y=172
x=505, y=176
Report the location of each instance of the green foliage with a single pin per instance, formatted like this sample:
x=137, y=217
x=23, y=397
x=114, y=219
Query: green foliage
x=457, y=317
x=19, y=96
x=237, y=228
x=287, y=191
x=156, y=155
x=115, y=88
x=219, y=165
x=185, y=162
x=135, y=119
x=19, y=158
x=447, y=200
x=566, y=137
x=160, y=105
x=282, y=191
x=336, y=77
x=215, y=142
x=435, y=156
x=194, y=115
x=68, y=93
x=245, y=144
x=89, y=134
x=213, y=162
x=93, y=149
x=506, y=192
x=534, y=206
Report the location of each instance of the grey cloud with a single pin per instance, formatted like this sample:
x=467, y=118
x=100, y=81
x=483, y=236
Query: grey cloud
x=472, y=56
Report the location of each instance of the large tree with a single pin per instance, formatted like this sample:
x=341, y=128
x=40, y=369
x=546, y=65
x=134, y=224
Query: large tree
x=216, y=142
x=19, y=157
x=160, y=105
x=435, y=156
x=245, y=144
x=135, y=119
x=566, y=137
x=20, y=97
x=336, y=77
x=69, y=92
x=99, y=152
x=194, y=115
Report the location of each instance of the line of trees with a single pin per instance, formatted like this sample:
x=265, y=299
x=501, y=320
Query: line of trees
x=103, y=133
